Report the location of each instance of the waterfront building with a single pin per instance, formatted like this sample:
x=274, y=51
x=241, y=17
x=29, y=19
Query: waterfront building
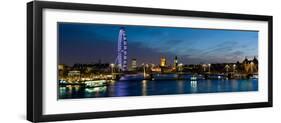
x=180, y=67
x=62, y=71
x=163, y=62
x=155, y=69
x=74, y=75
x=255, y=60
x=176, y=63
x=61, y=67
x=250, y=66
x=134, y=64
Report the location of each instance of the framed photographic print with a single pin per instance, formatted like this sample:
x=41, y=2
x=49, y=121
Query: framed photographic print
x=95, y=61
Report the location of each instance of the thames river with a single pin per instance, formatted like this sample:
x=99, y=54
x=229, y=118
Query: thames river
x=150, y=87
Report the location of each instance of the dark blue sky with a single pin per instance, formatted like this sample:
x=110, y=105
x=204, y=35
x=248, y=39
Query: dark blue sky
x=89, y=43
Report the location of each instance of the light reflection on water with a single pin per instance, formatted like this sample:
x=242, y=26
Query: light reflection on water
x=144, y=87
x=193, y=86
x=150, y=87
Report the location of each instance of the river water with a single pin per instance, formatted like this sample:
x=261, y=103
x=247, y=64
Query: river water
x=163, y=87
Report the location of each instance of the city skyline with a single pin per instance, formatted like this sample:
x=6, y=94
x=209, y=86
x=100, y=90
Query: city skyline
x=90, y=43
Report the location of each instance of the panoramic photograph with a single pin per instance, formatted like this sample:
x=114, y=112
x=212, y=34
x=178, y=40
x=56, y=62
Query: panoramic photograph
x=105, y=61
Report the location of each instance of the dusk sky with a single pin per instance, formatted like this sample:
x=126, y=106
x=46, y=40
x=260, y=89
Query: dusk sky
x=89, y=43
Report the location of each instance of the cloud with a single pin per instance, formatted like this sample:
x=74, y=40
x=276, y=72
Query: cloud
x=226, y=46
x=173, y=42
x=145, y=54
x=172, y=46
x=237, y=53
x=90, y=42
x=223, y=52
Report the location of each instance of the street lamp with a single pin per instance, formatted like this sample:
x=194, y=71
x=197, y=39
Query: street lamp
x=112, y=67
x=251, y=67
x=234, y=67
x=144, y=73
x=209, y=65
x=204, y=67
x=227, y=67
x=180, y=67
x=146, y=65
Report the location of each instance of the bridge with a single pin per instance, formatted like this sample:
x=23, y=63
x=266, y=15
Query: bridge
x=167, y=76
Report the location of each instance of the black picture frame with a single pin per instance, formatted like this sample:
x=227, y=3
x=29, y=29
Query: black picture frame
x=34, y=60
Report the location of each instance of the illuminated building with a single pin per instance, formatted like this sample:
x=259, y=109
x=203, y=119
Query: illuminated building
x=61, y=67
x=122, y=50
x=61, y=71
x=163, y=62
x=250, y=66
x=74, y=73
x=176, y=63
x=180, y=67
x=134, y=64
x=155, y=69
